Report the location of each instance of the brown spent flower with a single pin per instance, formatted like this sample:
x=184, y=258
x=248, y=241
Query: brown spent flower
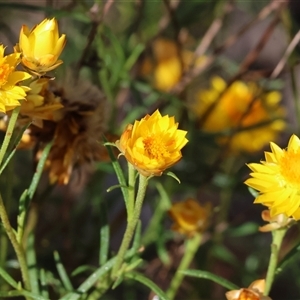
x=276, y=222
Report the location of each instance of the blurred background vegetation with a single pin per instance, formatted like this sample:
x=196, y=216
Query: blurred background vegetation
x=221, y=68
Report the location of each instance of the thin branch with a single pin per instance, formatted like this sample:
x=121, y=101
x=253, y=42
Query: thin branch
x=286, y=55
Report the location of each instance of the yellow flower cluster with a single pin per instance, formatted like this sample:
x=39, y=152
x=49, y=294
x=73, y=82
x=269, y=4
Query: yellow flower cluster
x=278, y=179
x=243, y=110
x=38, y=51
x=152, y=144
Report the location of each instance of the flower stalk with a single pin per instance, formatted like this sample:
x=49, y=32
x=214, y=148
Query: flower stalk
x=131, y=224
x=192, y=246
x=17, y=247
x=278, y=236
x=9, y=132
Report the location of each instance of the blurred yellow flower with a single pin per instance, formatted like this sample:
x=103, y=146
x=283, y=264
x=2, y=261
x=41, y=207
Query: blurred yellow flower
x=168, y=64
x=253, y=292
x=40, y=102
x=152, y=144
x=278, y=179
x=10, y=91
x=41, y=46
x=252, y=116
x=189, y=217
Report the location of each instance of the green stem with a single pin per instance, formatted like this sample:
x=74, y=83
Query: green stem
x=9, y=132
x=275, y=247
x=131, y=224
x=192, y=246
x=17, y=247
x=131, y=191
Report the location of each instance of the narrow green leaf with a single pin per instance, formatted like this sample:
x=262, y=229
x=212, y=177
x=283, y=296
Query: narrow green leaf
x=8, y=278
x=291, y=257
x=104, y=235
x=82, y=269
x=253, y=192
x=171, y=174
x=119, y=173
x=207, y=275
x=136, y=52
x=22, y=214
x=163, y=204
x=94, y=277
x=32, y=265
x=39, y=170
x=44, y=288
x=62, y=273
x=136, y=244
x=117, y=186
x=15, y=141
x=147, y=282
x=17, y=293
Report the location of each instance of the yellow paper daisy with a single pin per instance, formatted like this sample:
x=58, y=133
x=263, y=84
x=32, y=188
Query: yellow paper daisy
x=251, y=116
x=278, y=179
x=152, y=144
x=10, y=91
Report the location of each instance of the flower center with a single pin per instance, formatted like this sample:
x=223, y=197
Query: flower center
x=290, y=168
x=154, y=147
x=248, y=295
x=5, y=70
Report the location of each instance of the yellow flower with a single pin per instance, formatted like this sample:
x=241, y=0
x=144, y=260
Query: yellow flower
x=152, y=144
x=243, y=109
x=168, y=64
x=189, y=217
x=253, y=292
x=41, y=46
x=10, y=92
x=40, y=102
x=278, y=179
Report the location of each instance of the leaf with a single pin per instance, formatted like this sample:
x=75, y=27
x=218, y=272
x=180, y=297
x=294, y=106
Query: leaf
x=82, y=269
x=119, y=173
x=291, y=257
x=44, y=289
x=243, y=230
x=207, y=275
x=8, y=278
x=62, y=273
x=94, y=277
x=32, y=265
x=147, y=282
x=171, y=174
x=104, y=235
x=21, y=293
x=253, y=192
x=39, y=170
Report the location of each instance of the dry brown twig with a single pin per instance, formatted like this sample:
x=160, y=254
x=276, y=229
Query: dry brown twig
x=197, y=70
x=96, y=19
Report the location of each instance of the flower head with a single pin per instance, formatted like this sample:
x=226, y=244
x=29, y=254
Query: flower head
x=189, y=217
x=168, y=64
x=40, y=102
x=10, y=91
x=278, y=179
x=253, y=292
x=152, y=144
x=41, y=46
x=251, y=116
